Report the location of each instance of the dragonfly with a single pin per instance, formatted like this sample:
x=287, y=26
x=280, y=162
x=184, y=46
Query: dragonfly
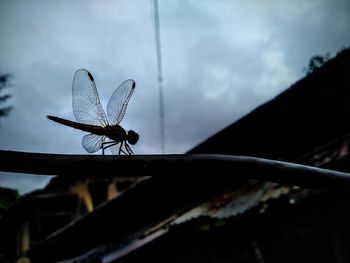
x=103, y=132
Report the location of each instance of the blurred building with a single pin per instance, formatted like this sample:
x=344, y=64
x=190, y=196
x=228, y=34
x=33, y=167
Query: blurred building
x=186, y=219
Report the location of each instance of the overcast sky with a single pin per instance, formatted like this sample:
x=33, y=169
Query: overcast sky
x=221, y=59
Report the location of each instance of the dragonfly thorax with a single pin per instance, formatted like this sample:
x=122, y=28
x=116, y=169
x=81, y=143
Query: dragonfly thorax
x=116, y=133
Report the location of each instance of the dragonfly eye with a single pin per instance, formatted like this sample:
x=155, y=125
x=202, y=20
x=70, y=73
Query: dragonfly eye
x=133, y=137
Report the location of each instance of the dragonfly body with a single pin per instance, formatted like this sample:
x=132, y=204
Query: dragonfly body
x=114, y=132
x=92, y=118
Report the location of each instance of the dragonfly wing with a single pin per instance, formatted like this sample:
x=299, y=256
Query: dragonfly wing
x=115, y=149
x=86, y=103
x=92, y=142
x=119, y=101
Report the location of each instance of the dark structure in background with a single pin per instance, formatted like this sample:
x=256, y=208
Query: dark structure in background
x=227, y=221
x=311, y=113
x=7, y=198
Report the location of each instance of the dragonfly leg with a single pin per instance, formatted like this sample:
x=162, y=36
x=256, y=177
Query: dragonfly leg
x=128, y=148
x=120, y=147
x=106, y=145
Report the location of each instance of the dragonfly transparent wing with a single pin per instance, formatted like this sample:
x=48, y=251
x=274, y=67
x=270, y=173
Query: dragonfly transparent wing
x=115, y=149
x=119, y=101
x=92, y=142
x=86, y=103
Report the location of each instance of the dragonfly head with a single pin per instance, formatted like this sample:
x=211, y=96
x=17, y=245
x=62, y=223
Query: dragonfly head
x=133, y=137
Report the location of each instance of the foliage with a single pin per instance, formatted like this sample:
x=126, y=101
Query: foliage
x=4, y=83
x=316, y=62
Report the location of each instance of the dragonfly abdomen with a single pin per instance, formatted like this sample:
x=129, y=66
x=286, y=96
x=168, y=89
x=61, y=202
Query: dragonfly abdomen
x=115, y=132
x=98, y=130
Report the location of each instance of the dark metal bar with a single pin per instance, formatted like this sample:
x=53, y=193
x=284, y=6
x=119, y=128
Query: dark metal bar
x=192, y=165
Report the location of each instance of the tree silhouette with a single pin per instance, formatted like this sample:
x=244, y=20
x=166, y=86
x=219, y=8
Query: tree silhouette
x=4, y=82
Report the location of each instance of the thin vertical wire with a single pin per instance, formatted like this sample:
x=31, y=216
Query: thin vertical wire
x=160, y=75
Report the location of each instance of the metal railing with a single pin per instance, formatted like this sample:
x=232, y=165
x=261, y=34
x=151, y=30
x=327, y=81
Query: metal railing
x=190, y=165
